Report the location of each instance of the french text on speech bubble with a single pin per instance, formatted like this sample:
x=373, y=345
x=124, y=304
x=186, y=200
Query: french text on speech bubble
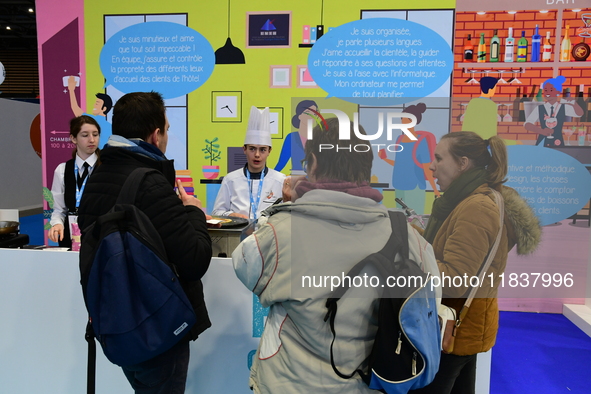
x=555, y=184
x=380, y=61
x=162, y=56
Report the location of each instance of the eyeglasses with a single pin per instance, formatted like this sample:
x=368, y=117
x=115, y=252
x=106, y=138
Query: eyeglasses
x=304, y=164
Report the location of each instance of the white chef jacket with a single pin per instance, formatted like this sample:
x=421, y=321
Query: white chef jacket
x=235, y=193
x=58, y=189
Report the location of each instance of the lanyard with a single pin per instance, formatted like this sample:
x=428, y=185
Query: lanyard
x=254, y=204
x=80, y=190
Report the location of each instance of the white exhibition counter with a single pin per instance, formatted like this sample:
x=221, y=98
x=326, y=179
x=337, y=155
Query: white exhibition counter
x=43, y=319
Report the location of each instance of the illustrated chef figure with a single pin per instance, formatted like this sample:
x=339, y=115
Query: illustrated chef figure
x=551, y=115
x=248, y=191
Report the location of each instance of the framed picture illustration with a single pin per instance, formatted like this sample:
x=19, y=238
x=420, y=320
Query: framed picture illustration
x=276, y=120
x=226, y=106
x=304, y=78
x=268, y=29
x=280, y=77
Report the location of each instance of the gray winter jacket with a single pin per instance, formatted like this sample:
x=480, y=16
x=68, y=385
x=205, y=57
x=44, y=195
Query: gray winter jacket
x=291, y=263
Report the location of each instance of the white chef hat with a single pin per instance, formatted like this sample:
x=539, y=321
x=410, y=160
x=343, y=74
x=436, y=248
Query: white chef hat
x=259, y=127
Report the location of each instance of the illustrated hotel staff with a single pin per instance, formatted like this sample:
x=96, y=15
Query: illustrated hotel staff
x=248, y=191
x=69, y=178
x=551, y=114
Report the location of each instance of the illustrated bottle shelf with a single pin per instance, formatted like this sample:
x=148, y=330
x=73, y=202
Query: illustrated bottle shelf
x=498, y=65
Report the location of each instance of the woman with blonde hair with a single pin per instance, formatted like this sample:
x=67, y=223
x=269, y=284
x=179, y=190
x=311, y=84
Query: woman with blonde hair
x=462, y=229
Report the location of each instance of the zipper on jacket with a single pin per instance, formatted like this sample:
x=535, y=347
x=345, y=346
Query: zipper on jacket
x=414, y=361
x=427, y=294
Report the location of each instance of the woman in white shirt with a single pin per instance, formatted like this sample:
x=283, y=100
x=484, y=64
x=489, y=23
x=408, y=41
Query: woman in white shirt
x=552, y=114
x=69, y=178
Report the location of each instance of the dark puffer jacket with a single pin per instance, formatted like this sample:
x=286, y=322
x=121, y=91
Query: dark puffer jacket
x=182, y=228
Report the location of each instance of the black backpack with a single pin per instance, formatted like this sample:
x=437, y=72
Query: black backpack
x=136, y=305
x=407, y=347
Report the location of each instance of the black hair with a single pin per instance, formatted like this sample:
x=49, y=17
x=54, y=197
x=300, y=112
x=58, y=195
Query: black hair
x=417, y=110
x=487, y=83
x=107, y=101
x=300, y=108
x=138, y=114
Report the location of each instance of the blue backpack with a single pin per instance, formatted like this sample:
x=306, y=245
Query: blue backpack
x=407, y=347
x=136, y=305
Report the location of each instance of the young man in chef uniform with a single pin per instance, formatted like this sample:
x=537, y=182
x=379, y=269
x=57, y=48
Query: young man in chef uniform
x=248, y=191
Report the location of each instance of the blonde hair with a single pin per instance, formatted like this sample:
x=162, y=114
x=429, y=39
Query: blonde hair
x=471, y=145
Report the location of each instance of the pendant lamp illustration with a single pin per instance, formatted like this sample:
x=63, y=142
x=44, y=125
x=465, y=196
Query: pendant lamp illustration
x=229, y=54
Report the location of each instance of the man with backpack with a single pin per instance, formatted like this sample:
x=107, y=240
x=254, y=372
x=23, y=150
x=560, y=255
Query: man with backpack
x=139, y=140
x=302, y=253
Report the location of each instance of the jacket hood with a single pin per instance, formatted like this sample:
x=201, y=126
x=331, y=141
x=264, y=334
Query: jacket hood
x=524, y=229
x=121, y=156
x=334, y=205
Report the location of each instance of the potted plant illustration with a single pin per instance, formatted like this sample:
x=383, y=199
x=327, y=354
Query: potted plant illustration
x=213, y=154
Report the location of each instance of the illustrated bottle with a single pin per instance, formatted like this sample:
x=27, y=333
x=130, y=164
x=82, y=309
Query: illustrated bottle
x=516, y=104
x=481, y=49
x=509, y=47
x=469, y=50
x=532, y=95
x=547, y=49
x=581, y=102
x=522, y=106
x=522, y=48
x=581, y=51
x=495, y=47
x=566, y=95
x=536, y=42
x=539, y=96
x=565, y=46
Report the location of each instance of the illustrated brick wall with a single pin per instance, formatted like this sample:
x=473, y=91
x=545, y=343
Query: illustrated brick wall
x=534, y=74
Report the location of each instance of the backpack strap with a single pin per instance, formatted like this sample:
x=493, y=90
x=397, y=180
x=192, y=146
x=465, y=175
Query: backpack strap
x=128, y=192
x=91, y=365
x=421, y=135
x=397, y=243
x=420, y=138
x=489, y=258
x=127, y=195
x=400, y=231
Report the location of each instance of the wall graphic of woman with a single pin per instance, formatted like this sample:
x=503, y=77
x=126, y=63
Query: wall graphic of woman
x=551, y=115
x=293, y=146
x=411, y=167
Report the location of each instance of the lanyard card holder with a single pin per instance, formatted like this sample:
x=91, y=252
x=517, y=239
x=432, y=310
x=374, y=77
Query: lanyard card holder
x=74, y=230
